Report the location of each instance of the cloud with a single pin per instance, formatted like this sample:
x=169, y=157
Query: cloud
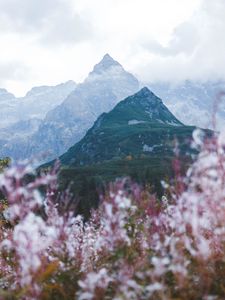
x=13, y=70
x=56, y=40
x=184, y=40
x=49, y=21
x=195, y=51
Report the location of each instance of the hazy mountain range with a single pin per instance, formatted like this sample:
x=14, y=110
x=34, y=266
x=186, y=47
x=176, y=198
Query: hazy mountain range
x=49, y=120
x=193, y=102
x=67, y=123
x=34, y=105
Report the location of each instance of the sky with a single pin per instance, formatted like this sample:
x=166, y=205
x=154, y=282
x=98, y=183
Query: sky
x=46, y=42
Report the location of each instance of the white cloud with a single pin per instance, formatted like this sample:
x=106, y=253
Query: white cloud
x=47, y=20
x=50, y=41
x=195, y=51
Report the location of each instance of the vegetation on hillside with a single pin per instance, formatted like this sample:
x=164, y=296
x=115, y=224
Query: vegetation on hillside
x=4, y=163
x=134, y=246
x=139, y=125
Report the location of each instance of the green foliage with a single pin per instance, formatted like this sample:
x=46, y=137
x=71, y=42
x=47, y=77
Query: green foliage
x=87, y=182
x=4, y=163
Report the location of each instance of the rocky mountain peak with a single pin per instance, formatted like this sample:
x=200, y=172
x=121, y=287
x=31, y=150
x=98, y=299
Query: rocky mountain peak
x=5, y=95
x=145, y=106
x=143, y=98
x=105, y=64
x=145, y=94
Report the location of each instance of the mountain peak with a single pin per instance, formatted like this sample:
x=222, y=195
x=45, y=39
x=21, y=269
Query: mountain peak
x=5, y=94
x=141, y=123
x=145, y=92
x=108, y=58
x=145, y=106
x=105, y=64
x=144, y=97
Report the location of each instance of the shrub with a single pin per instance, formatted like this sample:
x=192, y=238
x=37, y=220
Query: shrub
x=134, y=246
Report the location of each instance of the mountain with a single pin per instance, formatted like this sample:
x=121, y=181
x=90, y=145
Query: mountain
x=190, y=99
x=136, y=139
x=20, y=129
x=35, y=105
x=20, y=118
x=5, y=96
x=8, y=112
x=65, y=112
x=66, y=124
x=14, y=137
x=40, y=100
x=139, y=125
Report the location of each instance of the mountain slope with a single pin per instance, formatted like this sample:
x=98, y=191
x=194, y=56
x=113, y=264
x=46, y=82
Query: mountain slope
x=35, y=105
x=8, y=112
x=139, y=125
x=20, y=118
x=65, y=125
x=135, y=139
x=190, y=99
x=40, y=100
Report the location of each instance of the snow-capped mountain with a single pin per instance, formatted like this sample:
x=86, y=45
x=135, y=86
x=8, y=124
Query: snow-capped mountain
x=5, y=96
x=59, y=116
x=193, y=102
x=66, y=124
x=20, y=118
x=40, y=100
x=8, y=112
x=34, y=105
x=107, y=84
x=14, y=137
x=20, y=129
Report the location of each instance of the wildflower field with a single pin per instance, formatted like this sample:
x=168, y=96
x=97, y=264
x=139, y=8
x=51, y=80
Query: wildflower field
x=134, y=246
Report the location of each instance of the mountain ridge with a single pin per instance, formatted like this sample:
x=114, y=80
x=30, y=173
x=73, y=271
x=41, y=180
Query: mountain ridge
x=137, y=125
x=106, y=62
x=126, y=142
x=104, y=87
x=69, y=121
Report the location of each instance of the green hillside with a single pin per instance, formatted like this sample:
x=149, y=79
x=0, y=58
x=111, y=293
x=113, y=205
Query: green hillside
x=136, y=139
x=139, y=125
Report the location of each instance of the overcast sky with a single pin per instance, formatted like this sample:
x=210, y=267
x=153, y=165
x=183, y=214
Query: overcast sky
x=51, y=41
